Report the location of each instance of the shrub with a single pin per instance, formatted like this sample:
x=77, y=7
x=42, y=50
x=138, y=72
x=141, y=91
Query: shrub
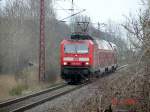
x=18, y=90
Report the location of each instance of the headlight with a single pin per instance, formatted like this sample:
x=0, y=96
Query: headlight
x=65, y=63
x=87, y=63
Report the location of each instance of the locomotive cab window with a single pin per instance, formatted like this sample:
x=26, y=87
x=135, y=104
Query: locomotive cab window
x=76, y=48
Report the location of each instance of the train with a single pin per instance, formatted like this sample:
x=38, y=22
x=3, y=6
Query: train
x=83, y=57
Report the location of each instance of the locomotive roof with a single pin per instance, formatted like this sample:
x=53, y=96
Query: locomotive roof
x=81, y=36
x=76, y=41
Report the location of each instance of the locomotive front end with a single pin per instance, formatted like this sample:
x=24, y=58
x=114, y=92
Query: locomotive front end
x=76, y=60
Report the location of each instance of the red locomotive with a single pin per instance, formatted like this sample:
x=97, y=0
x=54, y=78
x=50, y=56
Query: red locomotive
x=83, y=56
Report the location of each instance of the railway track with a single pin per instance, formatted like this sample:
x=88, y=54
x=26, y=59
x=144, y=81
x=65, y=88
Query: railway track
x=27, y=102
x=30, y=101
x=9, y=105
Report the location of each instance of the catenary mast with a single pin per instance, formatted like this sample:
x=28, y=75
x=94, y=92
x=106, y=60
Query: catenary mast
x=42, y=42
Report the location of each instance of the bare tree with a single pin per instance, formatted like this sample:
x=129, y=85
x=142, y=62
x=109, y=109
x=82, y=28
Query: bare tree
x=139, y=31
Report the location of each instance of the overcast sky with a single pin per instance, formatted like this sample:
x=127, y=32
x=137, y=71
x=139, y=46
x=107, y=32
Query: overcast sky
x=100, y=10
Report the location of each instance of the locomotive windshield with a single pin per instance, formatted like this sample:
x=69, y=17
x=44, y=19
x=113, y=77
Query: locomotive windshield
x=76, y=48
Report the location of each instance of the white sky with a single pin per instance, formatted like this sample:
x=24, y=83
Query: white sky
x=100, y=10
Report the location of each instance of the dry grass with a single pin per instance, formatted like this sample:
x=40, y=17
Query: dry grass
x=22, y=83
x=7, y=82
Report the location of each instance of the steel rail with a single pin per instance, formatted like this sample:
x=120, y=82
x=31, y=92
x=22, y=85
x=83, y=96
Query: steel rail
x=29, y=106
x=13, y=101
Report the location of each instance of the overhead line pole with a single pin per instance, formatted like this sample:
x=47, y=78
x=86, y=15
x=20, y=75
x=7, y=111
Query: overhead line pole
x=42, y=42
x=72, y=19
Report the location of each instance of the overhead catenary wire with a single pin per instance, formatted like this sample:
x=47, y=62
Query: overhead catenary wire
x=72, y=9
x=71, y=16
